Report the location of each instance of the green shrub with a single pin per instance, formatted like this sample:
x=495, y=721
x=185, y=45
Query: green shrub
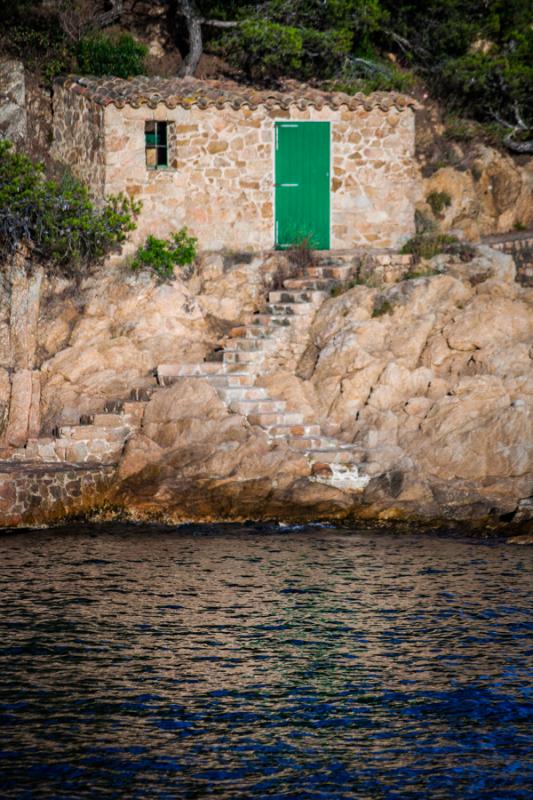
x=120, y=55
x=428, y=245
x=162, y=255
x=57, y=222
x=39, y=41
x=340, y=288
x=438, y=201
x=372, y=75
x=382, y=307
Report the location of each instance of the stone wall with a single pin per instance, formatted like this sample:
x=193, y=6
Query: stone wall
x=40, y=120
x=78, y=138
x=12, y=101
x=520, y=246
x=41, y=493
x=220, y=183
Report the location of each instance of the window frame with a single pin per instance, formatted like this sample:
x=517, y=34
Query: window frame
x=159, y=144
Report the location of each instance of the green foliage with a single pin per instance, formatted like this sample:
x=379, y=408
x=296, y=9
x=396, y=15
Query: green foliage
x=306, y=39
x=519, y=226
x=372, y=75
x=341, y=288
x=41, y=44
x=476, y=58
x=428, y=245
x=120, y=55
x=162, y=255
x=57, y=222
x=459, y=129
x=382, y=307
x=438, y=201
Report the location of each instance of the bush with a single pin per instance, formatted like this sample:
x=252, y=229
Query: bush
x=162, y=255
x=371, y=75
x=428, y=245
x=438, y=201
x=341, y=288
x=57, y=222
x=305, y=39
x=43, y=48
x=122, y=56
x=382, y=307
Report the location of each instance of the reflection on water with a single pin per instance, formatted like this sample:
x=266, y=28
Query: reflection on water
x=144, y=663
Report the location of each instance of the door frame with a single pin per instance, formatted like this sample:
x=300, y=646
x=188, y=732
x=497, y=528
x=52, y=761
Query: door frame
x=274, y=148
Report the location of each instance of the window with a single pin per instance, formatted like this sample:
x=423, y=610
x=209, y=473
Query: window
x=156, y=144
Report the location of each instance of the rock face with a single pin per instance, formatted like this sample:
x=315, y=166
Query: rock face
x=438, y=391
x=428, y=381
x=12, y=101
x=494, y=195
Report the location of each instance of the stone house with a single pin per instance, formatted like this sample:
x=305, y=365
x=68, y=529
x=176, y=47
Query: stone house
x=245, y=169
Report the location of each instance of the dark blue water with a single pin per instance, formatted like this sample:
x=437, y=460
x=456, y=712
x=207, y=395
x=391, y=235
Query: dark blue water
x=141, y=663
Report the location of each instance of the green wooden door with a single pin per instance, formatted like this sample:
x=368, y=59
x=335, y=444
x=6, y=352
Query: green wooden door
x=302, y=193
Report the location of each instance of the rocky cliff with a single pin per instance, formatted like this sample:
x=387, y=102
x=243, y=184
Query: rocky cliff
x=424, y=385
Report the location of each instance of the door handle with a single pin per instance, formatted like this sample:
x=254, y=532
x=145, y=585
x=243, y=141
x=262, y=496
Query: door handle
x=286, y=184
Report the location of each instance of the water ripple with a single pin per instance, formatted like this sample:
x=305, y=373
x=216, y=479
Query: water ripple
x=138, y=662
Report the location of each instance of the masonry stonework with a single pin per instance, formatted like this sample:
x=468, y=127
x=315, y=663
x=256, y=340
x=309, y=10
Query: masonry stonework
x=78, y=138
x=220, y=180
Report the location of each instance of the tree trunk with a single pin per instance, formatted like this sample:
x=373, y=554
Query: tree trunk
x=194, y=29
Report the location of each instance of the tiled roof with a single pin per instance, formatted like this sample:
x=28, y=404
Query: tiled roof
x=187, y=92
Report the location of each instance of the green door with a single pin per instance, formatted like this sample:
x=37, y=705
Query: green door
x=302, y=184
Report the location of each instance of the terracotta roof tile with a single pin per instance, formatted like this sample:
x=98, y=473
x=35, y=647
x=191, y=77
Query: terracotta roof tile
x=187, y=92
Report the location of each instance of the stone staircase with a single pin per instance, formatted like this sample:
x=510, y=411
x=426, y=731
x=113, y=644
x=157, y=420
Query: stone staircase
x=261, y=340
x=99, y=438
x=233, y=371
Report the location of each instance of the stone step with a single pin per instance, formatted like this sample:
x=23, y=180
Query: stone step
x=229, y=393
x=88, y=451
x=285, y=296
x=250, y=344
x=216, y=356
x=223, y=379
x=305, y=442
x=338, y=258
x=198, y=369
x=250, y=332
x=130, y=408
x=270, y=420
x=252, y=407
x=92, y=432
x=43, y=449
x=268, y=319
x=142, y=393
x=330, y=455
x=310, y=284
x=103, y=420
x=288, y=431
x=233, y=380
x=290, y=309
x=238, y=366
x=330, y=272
x=232, y=357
